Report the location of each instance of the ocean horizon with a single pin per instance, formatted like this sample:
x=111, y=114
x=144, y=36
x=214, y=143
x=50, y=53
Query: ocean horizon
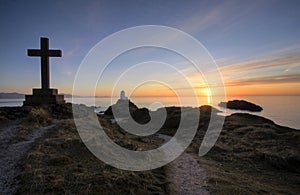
x=283, y=110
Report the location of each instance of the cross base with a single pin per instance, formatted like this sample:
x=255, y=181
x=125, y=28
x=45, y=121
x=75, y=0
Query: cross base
x=43, y=97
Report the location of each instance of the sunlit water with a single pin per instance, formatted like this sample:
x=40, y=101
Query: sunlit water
x=283, y=110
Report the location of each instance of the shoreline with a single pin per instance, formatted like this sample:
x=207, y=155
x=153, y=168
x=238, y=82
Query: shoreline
x=228, y=112
x=252, y=154
x=283, y=111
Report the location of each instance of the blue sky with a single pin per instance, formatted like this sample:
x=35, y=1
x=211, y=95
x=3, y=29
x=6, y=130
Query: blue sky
x=242, y=36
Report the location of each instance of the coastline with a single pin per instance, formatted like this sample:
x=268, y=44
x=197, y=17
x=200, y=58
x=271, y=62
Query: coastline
x=281, y=109
x=252, y=154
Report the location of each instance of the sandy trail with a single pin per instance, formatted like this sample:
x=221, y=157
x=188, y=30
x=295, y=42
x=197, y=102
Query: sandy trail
x=185, y=174
x=12, y=151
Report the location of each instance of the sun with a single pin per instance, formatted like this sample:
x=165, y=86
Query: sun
x=208, y=94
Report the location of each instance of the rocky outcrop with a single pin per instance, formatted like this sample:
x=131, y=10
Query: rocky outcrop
x=141, y=115
x=241, y=105
x=121, y=107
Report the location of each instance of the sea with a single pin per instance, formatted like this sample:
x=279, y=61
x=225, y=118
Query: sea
x=283, y=110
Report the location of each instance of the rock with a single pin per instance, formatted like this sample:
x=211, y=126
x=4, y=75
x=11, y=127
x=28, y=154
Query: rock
x=208, y=110
x=27, y=108
x=142, y=116
x=241, y=105
x=12, y=113
x=121, y=107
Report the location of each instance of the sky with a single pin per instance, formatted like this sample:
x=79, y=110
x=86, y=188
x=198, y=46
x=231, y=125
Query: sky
x=255, y=44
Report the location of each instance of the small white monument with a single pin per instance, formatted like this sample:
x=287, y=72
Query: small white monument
x=122, y=95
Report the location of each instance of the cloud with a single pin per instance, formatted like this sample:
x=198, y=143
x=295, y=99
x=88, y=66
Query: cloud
x=271, y=70
x=277, y=79
x=221, y=15
x=270, y=62
x=291, y=49
x=208, y=16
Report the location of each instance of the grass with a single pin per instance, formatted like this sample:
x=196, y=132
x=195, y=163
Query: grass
x=252, y=156
x=241, y=178
x=59, y=163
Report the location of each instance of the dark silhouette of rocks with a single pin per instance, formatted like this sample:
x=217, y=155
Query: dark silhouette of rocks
x=58, y=112
x=241, y=105
x=12, y=113
x=174, y=116
x=140, y=115
x=120, y=106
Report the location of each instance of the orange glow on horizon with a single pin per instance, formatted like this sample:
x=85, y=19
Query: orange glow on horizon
x=230, y=88
x=245, y=90
x=264, y=89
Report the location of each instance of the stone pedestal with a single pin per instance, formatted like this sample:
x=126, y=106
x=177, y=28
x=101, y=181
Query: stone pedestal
x=43, y=97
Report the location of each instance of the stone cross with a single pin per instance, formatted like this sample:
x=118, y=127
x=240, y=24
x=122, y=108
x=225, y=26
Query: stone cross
x=44, y=53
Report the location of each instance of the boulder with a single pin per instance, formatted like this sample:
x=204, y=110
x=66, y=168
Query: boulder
x=121, y=107
x=241, y=105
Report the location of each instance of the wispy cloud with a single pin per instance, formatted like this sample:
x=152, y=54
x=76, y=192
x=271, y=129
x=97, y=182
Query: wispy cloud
x=218, y=15
x=277, y=79
x=262, y=63
x=269, y=71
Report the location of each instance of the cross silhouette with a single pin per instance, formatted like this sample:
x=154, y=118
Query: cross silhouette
x=44, y=53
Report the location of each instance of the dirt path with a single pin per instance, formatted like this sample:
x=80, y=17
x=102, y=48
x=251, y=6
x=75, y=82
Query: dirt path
x=11, y=152
x=185, y=174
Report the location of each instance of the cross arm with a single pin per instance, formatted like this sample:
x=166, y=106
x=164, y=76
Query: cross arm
x=33, y=52
x=55, y=53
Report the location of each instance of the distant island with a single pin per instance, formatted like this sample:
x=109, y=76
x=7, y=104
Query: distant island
x=15, y=95
x=241, y=105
